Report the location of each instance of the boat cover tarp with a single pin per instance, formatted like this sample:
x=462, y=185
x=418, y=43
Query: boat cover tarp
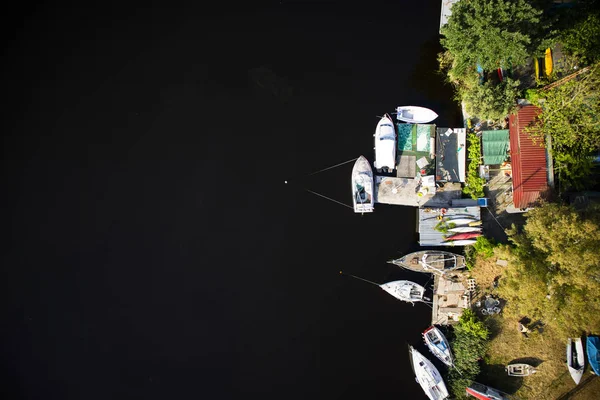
x=405, y=137
x=495, y=146
x=593, y=344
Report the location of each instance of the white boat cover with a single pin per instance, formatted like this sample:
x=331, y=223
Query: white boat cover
x=428, y=376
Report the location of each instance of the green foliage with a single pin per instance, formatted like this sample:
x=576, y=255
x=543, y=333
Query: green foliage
x=469, y=346
x=491, y=32
x=473, y=182
x=554, y=268
x=582, y=40
x=484, y=246
x=570, y=117
x=443, y=226
x=492, y=101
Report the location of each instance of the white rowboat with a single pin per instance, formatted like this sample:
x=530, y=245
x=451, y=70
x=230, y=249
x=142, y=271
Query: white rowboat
x=415, y=114
x=575, y=359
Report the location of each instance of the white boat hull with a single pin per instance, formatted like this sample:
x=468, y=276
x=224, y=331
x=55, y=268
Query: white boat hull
x=385, y=145
x=415, y=114
x=405, y=290
x=464, y=229
x=428, y=376
x=362, y=186
x=438, y=345
x=575, y=359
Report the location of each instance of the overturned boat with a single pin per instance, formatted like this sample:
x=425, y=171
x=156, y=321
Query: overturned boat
x=405, y=290
x=362, y=186
x=427, y=376
x=575, y=359
x=438, y=345
x=433, y=261
x=415, y=114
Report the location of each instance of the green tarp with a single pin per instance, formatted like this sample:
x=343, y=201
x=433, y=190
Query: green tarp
x=405, y=137
x=495, y=146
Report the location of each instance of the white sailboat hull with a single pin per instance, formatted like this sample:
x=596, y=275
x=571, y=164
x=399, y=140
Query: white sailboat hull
x=428, y=376
x=415, y=114
x=405, y=290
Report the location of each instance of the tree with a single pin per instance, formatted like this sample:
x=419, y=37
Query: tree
x=492, y=101
x=492, y=33
x=554, y=268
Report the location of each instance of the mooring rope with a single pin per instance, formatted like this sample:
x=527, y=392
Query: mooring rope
x=337, y=165
x=329, y=198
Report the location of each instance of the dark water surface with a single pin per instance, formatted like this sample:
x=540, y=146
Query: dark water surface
x=152, y=250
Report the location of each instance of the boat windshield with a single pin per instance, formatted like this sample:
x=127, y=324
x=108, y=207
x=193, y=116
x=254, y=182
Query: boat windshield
x=387, y=137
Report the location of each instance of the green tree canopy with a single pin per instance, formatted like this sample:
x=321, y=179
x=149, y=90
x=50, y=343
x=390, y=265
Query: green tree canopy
x=554, y=273
x=492, y=32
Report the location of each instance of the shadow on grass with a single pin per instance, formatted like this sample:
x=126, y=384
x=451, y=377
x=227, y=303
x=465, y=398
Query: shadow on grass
x=533, y=361
x=495, y=376
x=494, y=325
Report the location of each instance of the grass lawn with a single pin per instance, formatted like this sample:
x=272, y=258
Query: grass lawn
x=544, y=348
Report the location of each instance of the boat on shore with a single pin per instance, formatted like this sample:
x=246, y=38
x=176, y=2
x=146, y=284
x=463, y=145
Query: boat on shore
x=520, y=370
x=460, y=221
x=362, y=186
x=484, y=392
x=465, y=242
x=592, y=346
x=548, y=62
x=432, y=261
x=575, y=359
x=415, y=114
x=407, y=291
x=464, y=236
x=463, y=229
x=385, y=145
x=438, y=345
x=427, y=375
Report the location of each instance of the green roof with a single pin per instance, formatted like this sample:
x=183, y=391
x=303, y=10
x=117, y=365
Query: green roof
x=495, y=146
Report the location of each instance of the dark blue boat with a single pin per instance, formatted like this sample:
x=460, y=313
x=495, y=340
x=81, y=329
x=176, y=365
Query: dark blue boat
x=593, y=345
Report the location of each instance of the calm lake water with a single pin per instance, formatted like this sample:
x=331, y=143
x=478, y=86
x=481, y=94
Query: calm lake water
x=153, y=250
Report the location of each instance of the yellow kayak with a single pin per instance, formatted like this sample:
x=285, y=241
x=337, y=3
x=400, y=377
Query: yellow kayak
x=536, y=65
x=548, y=62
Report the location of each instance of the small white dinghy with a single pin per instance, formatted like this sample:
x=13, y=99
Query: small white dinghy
x=415, y=114
x=427, y=376
x=385, y=145
x=575, y=359
x=520, y=370
x=405, y=290
x=362, y=186
x=438, y=345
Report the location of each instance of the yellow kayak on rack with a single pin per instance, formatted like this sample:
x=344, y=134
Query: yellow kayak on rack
x=536, y=66
x=548, y=62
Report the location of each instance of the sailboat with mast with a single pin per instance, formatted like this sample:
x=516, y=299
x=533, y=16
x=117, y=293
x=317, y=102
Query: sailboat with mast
x=432, y=261
x=427, y=375
x=403, y=290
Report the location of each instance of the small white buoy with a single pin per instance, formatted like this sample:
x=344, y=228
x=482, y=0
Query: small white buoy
x=285, y=182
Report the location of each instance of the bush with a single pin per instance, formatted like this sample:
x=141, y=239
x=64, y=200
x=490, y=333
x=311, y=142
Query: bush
x=492, y=101
x=474, y=183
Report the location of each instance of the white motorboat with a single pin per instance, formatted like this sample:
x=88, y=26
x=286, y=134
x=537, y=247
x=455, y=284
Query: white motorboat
x=362, y=186
x=438, y=345
x=415, y=114
x=575, y=359
x=385, y=145
x=405, y=290
x=427, y=375
x=520, y=370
